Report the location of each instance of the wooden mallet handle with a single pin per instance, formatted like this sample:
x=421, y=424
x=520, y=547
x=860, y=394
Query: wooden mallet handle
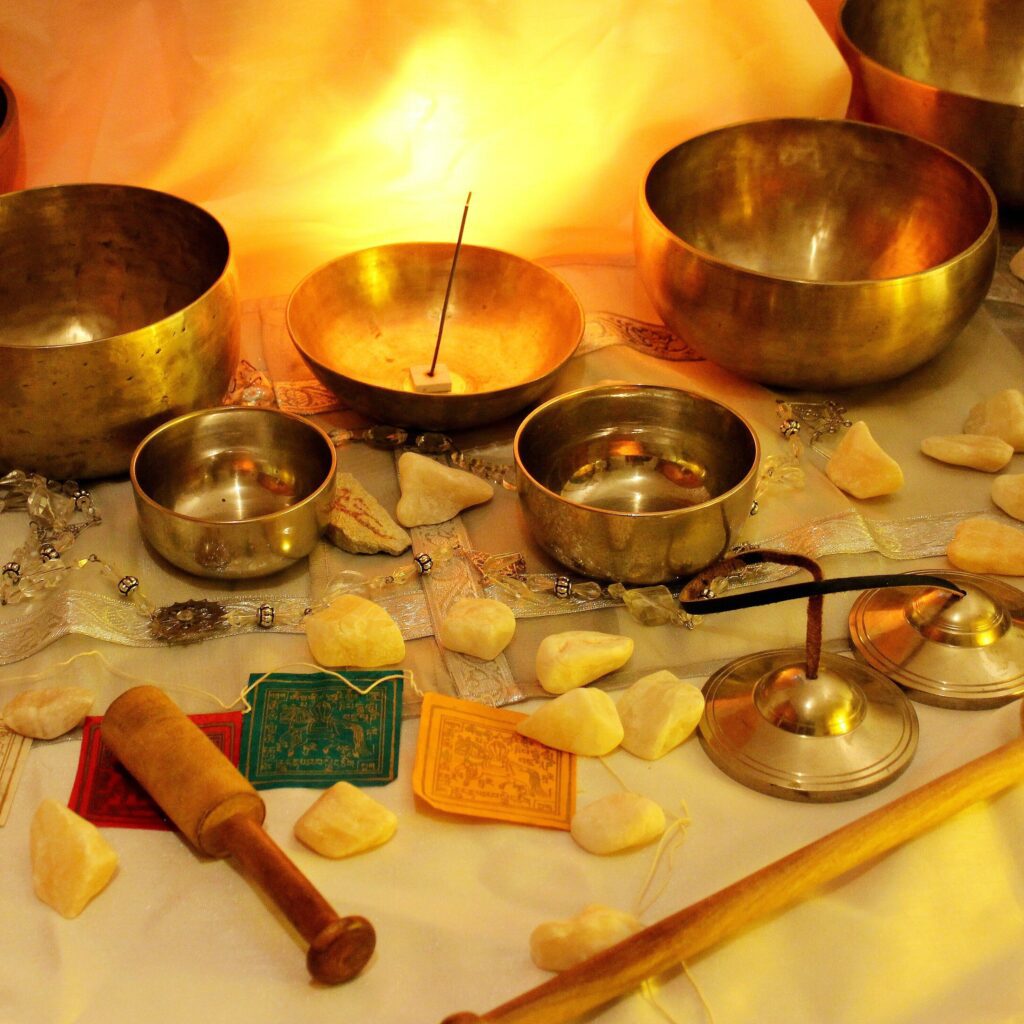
x=220, y=813
x=703, y=925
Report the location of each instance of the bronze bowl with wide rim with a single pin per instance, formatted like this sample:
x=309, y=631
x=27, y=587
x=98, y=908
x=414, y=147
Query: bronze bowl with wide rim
x=10, y=137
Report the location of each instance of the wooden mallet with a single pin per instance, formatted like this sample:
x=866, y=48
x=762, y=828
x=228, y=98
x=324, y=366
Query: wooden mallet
x=221, y=814
x=703, y=925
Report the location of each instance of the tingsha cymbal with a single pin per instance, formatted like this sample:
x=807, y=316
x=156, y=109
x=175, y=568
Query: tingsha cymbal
x=843, y=734
x=955, y=652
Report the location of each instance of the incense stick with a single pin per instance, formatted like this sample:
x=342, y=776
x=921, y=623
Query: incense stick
x=448, y=290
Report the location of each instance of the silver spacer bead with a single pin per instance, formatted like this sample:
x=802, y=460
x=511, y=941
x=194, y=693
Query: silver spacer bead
x=11, y=571
x=126, y=584
x=48, y=553
x=563, y=587
x=424, y=563
x=265, y=616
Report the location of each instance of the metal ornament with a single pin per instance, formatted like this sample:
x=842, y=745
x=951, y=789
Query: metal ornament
x=965, y=653
x=187, y=621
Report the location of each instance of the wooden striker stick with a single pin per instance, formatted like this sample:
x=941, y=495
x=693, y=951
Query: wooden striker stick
x=221, y=814
x=779, y=885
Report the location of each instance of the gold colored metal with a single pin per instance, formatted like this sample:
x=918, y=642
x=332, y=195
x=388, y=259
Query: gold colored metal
x=815, y=254
x=635, y=483
x=949, y=71
x=10, y=138
x=118, y=311
x=362, y=320
x=844, y=734
x=234, y=493
x=965, y=654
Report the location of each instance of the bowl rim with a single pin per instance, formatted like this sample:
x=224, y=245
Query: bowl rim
x=844, y=38
x=226, y=271
x=742, y=483
x=441, y=397
x=844, y=124
x=143, y=496
x=9, y=110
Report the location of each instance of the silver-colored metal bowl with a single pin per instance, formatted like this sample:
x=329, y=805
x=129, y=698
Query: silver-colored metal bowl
x=234, y=493
x=362, y=320
x=118, y=311
x=815, y=253
x=635, y=483
x=949, y=71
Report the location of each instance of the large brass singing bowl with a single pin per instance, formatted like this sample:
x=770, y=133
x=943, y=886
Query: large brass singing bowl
x=815, y=254
x=10, y=137
x=635, y=483
x=361, y=321
x=234, y=493
x=949, y=71
x=118, y=311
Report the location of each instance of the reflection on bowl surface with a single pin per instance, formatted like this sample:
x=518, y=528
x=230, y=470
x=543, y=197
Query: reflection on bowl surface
x=234, y=492
x=636, y=483
x=948, y=71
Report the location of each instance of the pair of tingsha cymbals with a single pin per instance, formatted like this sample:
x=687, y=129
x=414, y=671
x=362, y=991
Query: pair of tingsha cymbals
x=850, y=730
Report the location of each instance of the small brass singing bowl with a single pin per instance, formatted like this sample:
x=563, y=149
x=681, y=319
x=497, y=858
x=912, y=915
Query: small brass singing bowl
x=636, y=483
x=118, y=311
x=234, y=493
x=948, y=71
x=815, y=254
x=362, y=321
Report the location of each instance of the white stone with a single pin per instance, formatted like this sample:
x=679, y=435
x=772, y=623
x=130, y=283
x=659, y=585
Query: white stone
x=861, y=468
x=1002, y=416
x=976, y=451
x=49, y=712
x=478, y=626
x=357, y=522
x=559, y=945
x=658, y=712
x=434, y=493
x=1008, y=494
x=355, y=632
x=580, y=721
x=579, y=656
x=343, y=821
x=71, y=861
x=985, y=546
x=619, y=821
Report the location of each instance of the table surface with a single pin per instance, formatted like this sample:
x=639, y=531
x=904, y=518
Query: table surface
x=930, y=933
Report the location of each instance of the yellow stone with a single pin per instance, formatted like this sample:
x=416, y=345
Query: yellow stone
x=861, y=468
x=434, y=493
x=355, y=632
x=580, y=721
x=1002, y=416
x=1008, y=494
x=49, y=712
x=559, y=945
x=658, y=712
x=343, y=821
x=985, y=546
x=976, y=451
x=478, y=626
x=619, y=821
x=579, y=656
x=71, y=861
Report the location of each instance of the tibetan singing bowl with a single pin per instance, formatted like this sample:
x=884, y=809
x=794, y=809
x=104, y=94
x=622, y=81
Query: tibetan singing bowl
x=812, y=253
x=949, y=71
x=10, y=137
x=118, y=311
x=361, y=321
x=234, y=493
x=635, y=483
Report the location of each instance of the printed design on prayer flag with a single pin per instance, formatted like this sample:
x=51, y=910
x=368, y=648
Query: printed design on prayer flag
x=107, y=794
x=470, y=760
x=314, y=729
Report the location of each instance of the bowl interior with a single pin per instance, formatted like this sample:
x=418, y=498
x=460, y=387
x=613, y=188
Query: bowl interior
x=85, y=262
x=636, y=449
x=831, y=201
x=971, y=47
x=371, y=315
x=232, y=465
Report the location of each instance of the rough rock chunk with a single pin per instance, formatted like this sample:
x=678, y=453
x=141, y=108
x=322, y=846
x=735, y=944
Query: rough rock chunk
x=1002, y=416
x=861, y=468
x=479, y=626
x=580, y=721
x=617, y=822
x=344, y=820
x=355, y=632
x=985, y=546
x=71, y=861
x=658, y=712
x=47, y=713
x=579, y=656
x=357, y=522
x=976, y=451
x=1008, y=494
x=433, y=493
x=559, y=945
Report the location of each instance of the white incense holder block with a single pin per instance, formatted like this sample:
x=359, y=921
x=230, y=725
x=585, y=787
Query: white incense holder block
x=431, y=383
